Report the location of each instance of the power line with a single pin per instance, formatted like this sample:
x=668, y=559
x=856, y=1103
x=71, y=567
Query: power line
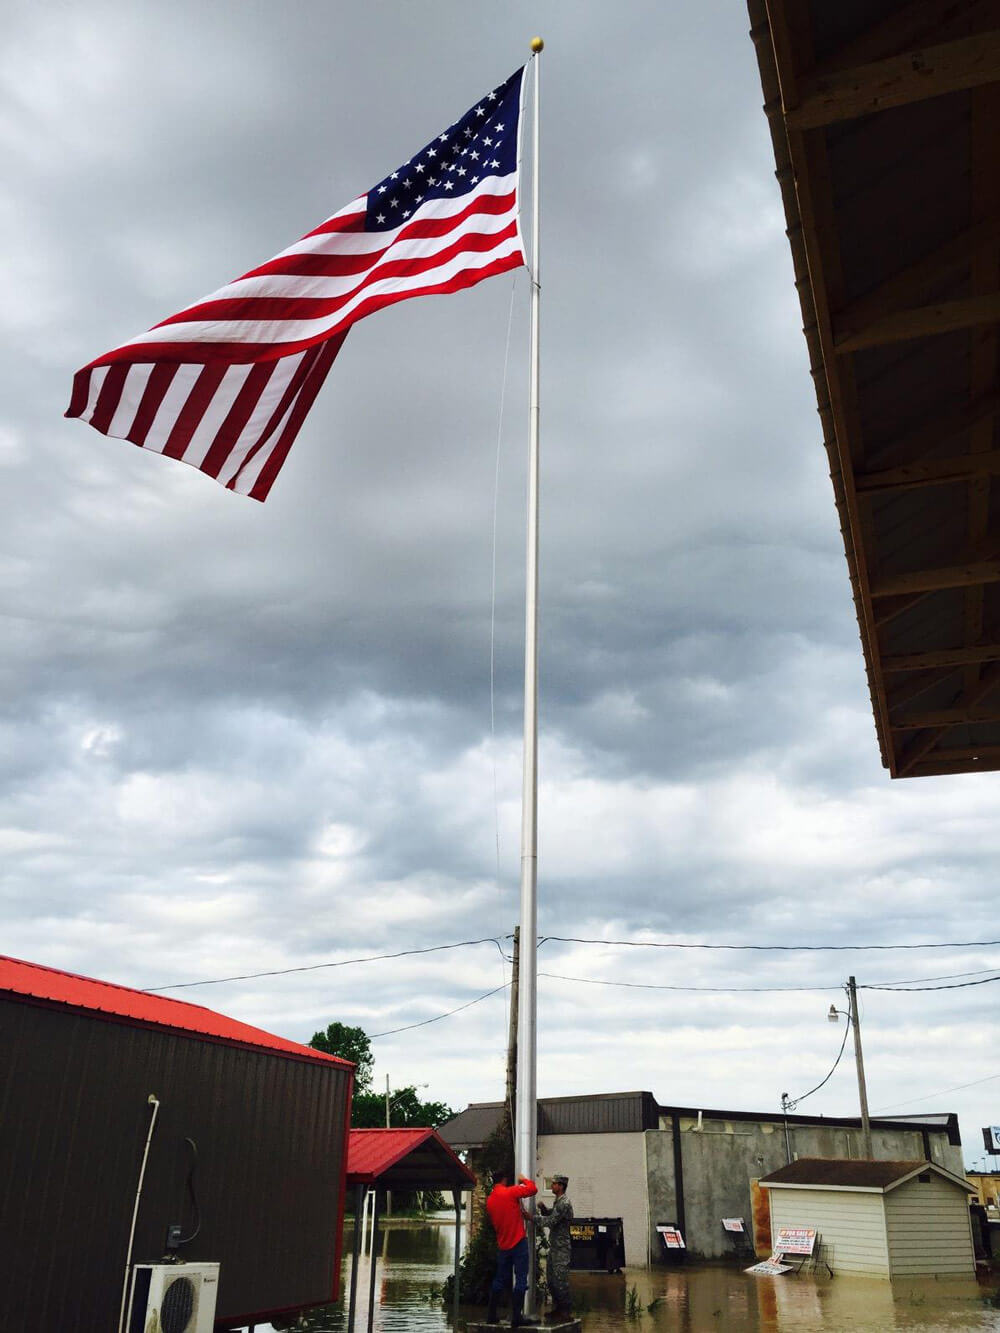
x=943, y=1093
x=635, y=944
x=649, y=985
x=770, y=990
x=373, y=1036
x=912, y=981
x=955, y=985
x=315, y=967
x=790, y=1103
x=769, y=948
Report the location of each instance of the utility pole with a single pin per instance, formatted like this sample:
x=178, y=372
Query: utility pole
x=512, y=1028
x=866, y=1129
x=388, y=1193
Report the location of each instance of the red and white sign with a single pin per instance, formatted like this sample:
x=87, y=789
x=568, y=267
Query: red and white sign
x=672, y=1238
x=772, y=1267
x=733, y=1224
x=795, y=1240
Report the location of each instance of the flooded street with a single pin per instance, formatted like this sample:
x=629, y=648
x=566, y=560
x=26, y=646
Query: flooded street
x=411, y=1260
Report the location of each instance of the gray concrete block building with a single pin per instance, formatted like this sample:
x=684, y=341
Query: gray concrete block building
x=627, y=1156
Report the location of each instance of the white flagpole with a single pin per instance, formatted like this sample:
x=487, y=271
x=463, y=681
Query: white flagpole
x=525, y=1116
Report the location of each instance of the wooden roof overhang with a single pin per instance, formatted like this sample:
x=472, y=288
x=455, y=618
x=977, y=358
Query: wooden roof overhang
x=885, y=120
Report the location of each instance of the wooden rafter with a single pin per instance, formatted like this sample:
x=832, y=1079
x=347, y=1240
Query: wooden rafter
x=925, y=741
x=937, y=472
x=944, y=657
x=925, y=321
x=945, y=717
x=902, y=290
x=920, y=23
x=968, y=62
x=965, y=575
x=939, y=430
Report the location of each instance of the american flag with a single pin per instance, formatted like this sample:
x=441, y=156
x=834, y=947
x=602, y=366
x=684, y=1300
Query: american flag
x=226, y=384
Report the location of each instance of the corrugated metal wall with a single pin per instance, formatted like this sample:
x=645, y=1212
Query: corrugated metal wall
x=621, y=1113
x=73, y=1120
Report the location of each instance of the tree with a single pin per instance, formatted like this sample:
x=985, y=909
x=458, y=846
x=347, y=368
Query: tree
x=405, y=1110
x=368, y=1107
x=479, y=1261
x=350, y=1044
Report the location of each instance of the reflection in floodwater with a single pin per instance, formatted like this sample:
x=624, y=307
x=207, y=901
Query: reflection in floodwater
x=411, y=1260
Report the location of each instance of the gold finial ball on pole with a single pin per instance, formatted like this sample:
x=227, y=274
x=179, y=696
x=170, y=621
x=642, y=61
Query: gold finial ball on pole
x=537, y=44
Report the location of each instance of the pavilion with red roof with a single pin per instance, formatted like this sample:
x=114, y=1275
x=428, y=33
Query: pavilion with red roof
x=401, y=1159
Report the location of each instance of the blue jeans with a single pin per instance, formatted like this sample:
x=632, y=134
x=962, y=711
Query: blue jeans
x=513, y=1260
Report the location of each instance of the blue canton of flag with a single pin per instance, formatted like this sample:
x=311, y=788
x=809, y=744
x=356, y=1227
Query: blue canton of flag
x=483, y=143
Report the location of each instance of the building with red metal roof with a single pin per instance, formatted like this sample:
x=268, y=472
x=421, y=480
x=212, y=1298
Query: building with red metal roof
x=230, y=1138
x=107, y=998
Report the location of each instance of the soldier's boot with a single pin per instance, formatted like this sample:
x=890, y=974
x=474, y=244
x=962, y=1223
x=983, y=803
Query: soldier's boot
x=518, y=1319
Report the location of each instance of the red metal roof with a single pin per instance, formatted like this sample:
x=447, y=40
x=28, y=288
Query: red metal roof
x=371, y=1153
x=49, y=984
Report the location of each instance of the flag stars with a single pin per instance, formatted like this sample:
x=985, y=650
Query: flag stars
x=449, y=185
x=381, y=189
x=467, y=132
x=432, y=152
x=419, y=167
x=380, y=218
x=394, y=176
x=394, y=203
x=480, y=111
x=494, y=163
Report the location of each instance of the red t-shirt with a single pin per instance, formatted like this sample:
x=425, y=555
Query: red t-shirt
x=504, y=1208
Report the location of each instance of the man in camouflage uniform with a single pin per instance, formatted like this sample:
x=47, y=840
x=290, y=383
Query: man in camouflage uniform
x=557, y=1219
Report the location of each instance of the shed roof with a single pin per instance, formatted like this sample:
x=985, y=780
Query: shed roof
x=404, y=1159
x=838, y=1173
x=884, y=118
x=33, y=983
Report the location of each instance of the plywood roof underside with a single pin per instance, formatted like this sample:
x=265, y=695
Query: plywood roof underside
x=885, y=120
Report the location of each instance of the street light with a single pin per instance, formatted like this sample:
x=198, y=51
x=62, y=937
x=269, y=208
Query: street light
x=851, y=1013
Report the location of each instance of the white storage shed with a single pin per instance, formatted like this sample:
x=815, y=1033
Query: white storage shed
x=877, y=1219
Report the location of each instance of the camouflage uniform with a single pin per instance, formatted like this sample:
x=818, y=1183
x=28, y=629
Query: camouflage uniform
x=557, y=1268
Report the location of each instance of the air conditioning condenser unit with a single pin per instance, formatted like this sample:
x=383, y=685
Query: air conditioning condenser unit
x=173, y=1298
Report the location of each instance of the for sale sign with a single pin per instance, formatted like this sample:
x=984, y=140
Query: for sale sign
x=795, y=1240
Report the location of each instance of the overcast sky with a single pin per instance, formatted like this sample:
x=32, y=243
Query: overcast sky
x=238, y=738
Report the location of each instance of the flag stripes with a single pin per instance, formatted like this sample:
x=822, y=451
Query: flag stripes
x=225, y=384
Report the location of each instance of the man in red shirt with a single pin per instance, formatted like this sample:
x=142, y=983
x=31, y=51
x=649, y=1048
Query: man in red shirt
x=504, y=1208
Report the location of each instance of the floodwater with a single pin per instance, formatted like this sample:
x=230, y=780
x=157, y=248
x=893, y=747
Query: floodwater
x=411, y=1260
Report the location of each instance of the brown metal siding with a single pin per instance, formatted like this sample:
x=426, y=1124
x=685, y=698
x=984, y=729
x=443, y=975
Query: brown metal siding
x=74, y=1114
x=594, y=1115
